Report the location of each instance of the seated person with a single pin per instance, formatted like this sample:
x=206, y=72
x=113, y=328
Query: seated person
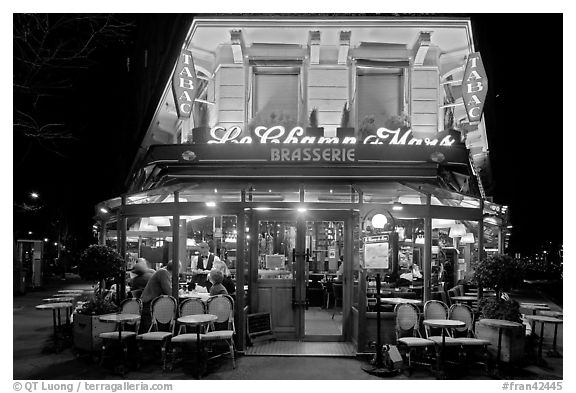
x=216, y=277
x=227, y=281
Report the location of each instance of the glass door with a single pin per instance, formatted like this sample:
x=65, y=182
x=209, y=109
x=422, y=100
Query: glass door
x=299, y=273
x=323, y=279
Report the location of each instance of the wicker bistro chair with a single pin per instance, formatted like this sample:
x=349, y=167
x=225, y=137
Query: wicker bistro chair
x=128, y=306
x=408, y=333
x=434, y=309
x=465, y=336
x=451, y=293
x=163, y=309
x=190, y=306
x=223, y=328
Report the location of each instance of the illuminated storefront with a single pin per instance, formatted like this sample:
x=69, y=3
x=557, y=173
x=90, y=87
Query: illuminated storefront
x=287, y=141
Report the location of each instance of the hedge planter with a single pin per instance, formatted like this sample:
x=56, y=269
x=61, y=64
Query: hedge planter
x=513, y=341
x=315, y=132
x=86, y=330
x=200, y=135
x=342, y=133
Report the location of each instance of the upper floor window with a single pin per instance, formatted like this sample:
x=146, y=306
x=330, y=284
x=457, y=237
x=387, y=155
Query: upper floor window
x=380, y=98
x=275, y=97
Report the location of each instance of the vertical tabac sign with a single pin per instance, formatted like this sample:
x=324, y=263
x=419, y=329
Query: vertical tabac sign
x=184, y=84
x=474, y=87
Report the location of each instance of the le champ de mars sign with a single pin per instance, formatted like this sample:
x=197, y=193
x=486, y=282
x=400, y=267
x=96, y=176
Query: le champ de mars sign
x=474, y=87
x=275, y=144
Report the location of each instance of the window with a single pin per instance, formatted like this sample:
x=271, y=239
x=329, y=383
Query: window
x=380, y=96
x=275, y=93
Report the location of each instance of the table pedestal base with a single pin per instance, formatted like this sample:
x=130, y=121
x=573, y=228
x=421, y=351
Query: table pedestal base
x=380, y=371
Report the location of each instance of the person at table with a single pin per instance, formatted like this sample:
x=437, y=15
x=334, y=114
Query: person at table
x=159, y=284
x=201, y=264
x=216, y=277
x=141, y=274
x=227, y=280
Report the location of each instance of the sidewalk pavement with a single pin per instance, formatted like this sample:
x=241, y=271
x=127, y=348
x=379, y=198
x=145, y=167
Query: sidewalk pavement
x=32, y=331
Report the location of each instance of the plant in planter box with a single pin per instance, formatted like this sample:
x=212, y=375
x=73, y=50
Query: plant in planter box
x=313, y=129
x=87, y=325
x=97, y=263
x=401, y=121
x=201, y=129
x=271, y=119
x=100, y=263
x=501, y=273
x=367, y=127
x=345, y=130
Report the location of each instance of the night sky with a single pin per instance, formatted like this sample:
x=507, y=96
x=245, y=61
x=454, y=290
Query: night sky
x=523, y=114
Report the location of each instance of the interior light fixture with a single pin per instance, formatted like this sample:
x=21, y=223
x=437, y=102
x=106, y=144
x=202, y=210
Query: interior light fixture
x=211, y=204
x=379, y=221
x=457, y=230
x=509, y=227
x=302, y=209
x=34, y=195
x=46, y=239
x=263, y=208
x=397, y=206
x=104, y=210
x=161, y=221
x=468, y=238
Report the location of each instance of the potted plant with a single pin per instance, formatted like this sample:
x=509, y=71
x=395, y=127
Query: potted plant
x=345, y=130
x=272, y=119
x=97, y=263
x=366, y=127
x=201, y=131
x=313, y=129
x=395, y=122
x=501, y=273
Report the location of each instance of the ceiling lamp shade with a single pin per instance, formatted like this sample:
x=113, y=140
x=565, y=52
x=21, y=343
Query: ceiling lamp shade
x=379, y=221
x=410, y=200
x=457, y=230
x=468, y=238
x=162, y=221
x=144, y=226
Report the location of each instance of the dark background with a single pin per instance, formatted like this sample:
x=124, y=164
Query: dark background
x=523, y=113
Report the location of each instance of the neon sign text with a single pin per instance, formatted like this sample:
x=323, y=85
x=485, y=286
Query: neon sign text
x=278, y=134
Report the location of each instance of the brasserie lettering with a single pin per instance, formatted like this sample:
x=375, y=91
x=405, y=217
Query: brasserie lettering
x=312, y=154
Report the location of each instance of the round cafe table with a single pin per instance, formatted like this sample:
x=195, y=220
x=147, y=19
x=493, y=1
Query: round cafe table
x=58, y=299
x=399, y=300
x=469, y=300
x=198, y=320
x=120, y=319
x=544, y=320
x=443, y=324
x=56, y=307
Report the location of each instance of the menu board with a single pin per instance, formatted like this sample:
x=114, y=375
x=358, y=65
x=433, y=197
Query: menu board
x=376, y=253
